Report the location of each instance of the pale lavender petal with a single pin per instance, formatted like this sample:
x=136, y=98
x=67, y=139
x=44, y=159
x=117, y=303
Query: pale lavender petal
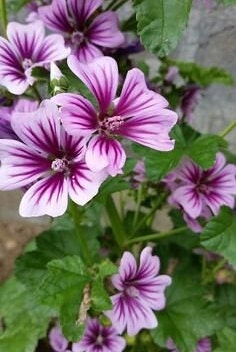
x=193, y=224
x=217, y=199
x=25, y=105
x=39, y=129
x=57, y=341
x=74, y=147
x=78, y=115
x=104, y=30
x=6, y=131
x=83, y=184
x=48, y=196
x=87, y=52
x=189, y=172
x=19, y=165
x=11, y=72
x=105, y=153
x=100, y=76
x=27, y=39
x=149, y=264
x=189, y=199
x=52, y=49
x=81, y=10
x=136, y=97
x=204, y=345
x=128, y=266
x=56, y=17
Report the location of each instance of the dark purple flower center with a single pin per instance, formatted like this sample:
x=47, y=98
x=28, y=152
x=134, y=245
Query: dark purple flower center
x=27, y=63
x=77, y=38
x=99, y=340
x=202, y=188
x=60, y=165
x=110, y=124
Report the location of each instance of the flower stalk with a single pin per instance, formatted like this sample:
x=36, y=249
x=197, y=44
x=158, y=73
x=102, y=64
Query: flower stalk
x=3, y=14
x=116, y=223
x=228, y=129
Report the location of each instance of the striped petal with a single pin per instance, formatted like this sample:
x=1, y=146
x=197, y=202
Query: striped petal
x=191, y=201
x=48, y=196
x=78, y=115
x=56, y=17
x=39, y=129
x=104, y=30
x=52, y=49
x=20, y=165
x=105, y=153
x=100, y=76
x=81, y=10
x=87, y=52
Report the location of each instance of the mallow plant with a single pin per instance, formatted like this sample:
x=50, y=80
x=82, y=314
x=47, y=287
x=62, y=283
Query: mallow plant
x=140, y=248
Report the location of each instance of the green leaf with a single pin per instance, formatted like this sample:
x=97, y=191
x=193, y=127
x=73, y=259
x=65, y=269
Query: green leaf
x=155, y=20
x=226, y=2
x=99, y=296
x=203, y=76
x=227, y=340
x=187, y=316
x=16, y=5
x=22, y=340
x=203, y=150
x=219, y=235
x=107, y=268
x=226, y=303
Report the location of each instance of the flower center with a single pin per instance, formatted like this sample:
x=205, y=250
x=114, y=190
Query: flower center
x=111, y=124
x=60, y=165
x=27, y=63
x=202, y=188
x=77, y=38
x=99, y=340
x=132, y=291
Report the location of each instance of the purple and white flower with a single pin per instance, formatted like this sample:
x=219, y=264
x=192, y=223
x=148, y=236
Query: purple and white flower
x=138, y=114
x=85, y=33
x=27, y=47
x=197, y=189
x=57, y=341
x=203, y=345
x=99, y=338
x=49, y=159
x=141, y=290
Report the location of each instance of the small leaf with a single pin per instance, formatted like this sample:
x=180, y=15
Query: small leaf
x=227, y=340
x=107, y=268
x=219, y=235
x=100, y=298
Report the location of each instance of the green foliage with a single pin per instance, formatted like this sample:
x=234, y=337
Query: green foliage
x=203, y=76
x=227, y=340
x=226, y=2
x=155, y=19
x=16, y=5
x=219, y=235
x=226, y=303
x=187, y=316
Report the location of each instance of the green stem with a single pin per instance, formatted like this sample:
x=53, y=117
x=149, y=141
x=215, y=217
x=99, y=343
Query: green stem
x=36, y=93
x=116, y=223
x=3, y=14
x=156, y=236
x=228, y=129
x=114, y=5
x=73, y=211
x=137, y=210
x=151, y=213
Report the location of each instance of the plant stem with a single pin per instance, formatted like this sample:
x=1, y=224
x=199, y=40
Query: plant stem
x=156, y=236
x=80, y=233
x=3, y=14
x=116, y=223
x=36, y=93
x=151, y=213
x=228, y=129
x=137, y=210
x=114, y=5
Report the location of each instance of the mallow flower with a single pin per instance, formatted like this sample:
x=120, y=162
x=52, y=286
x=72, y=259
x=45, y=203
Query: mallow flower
x=139, y=114
x=85, y=32
x=197, y=189
x=57, y=341
x=27, y=47
x=140, y=291
x=48, y=162
x=99, y=338
x=203, y=345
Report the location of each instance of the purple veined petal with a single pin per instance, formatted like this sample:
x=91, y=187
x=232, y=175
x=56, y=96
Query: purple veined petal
x=100, y=76
x=6, y=131
x=19, y=165
x=39, y=129
x=104, y=30
x=189, y=199
x=189, y=172
x=56, y=17
x=81, y=10
x=52, y=49
x=217, y=167
x=136, y=97
x=128, y=266
x=78, y=115
x=193, y=224
x=57, y=341
x=74, y=147
x=149, y=264
x=48, y=196
x=215, y=200
x=224, y=181
x=25, y=105
x=87, y=52
x=105, y=153
x=11, y=72
x=83, y=184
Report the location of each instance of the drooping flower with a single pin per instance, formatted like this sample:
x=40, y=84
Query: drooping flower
x=49, y=159
x=139, y=175
x=197, y=189
x=20, y=105
x=138, y=114
x=141, y=290
x=85, y=34
x=203, y=345
x=27, y=47
x=57, y=341
x=99, y=338
x=189, y=101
